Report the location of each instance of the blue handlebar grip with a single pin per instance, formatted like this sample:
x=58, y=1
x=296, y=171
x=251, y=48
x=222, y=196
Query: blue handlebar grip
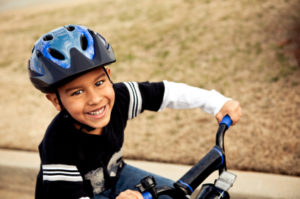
x=227, y=121
x=147, y=195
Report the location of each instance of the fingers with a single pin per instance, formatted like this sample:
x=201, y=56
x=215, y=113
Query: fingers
x=231, y=108
x=130, y=194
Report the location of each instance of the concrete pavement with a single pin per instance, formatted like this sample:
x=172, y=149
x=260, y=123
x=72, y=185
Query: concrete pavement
x=18, y=171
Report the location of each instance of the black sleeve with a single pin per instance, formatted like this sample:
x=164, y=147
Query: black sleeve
x=152, y=95
x=143, y=96
x=59, y=180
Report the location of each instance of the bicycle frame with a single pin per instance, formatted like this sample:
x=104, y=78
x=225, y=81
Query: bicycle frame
x=185, y=186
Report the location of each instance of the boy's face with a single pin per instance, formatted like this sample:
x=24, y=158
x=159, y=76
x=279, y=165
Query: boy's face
x=89, y=99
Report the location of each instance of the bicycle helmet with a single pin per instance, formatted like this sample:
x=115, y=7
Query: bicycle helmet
x=64, y=53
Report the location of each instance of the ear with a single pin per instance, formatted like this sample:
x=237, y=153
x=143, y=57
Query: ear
x=53, y=99
x=108, y=71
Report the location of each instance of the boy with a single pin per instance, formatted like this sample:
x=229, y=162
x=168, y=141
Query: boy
x=81, y=151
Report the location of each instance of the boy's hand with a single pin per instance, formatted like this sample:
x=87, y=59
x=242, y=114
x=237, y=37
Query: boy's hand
x=130, y=194
x=233, y=109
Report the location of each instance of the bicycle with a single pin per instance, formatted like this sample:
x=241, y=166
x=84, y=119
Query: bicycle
x=185, y=186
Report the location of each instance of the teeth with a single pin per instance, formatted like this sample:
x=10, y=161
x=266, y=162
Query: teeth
x=97, y=112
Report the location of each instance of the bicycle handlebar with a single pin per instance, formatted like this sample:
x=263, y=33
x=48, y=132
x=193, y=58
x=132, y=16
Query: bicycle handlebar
x=213, y=160
x=227, y=121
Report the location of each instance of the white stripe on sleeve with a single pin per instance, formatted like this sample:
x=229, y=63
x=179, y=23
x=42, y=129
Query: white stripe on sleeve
x=62, y=178
x=61, y=172
x=59, y=167
x=135, y=102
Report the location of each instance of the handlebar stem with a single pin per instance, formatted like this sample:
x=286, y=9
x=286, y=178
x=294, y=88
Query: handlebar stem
x=220, y=136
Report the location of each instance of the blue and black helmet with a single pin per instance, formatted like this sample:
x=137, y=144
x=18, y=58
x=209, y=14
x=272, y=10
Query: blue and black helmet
x=66, y=52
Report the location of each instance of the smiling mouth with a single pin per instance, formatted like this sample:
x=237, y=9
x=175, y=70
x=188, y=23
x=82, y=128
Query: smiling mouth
x=97, y=113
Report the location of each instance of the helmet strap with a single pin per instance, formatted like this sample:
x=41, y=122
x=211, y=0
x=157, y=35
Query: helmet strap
x=106, y=73
x=59, y=100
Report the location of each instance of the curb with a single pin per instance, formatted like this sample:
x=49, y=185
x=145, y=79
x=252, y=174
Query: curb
x=18, y=170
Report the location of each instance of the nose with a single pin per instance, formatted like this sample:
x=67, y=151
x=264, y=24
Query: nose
x=94, y=97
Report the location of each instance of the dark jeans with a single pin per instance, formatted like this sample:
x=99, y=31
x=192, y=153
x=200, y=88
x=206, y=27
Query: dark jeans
x=130, y=176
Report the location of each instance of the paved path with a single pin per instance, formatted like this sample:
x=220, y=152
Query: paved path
x=18, y=170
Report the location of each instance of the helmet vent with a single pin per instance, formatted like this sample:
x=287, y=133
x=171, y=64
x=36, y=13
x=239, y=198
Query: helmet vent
x=38, y=53
x=83, y=42
x=47, y=37
x=56, y=54
x=70, y=28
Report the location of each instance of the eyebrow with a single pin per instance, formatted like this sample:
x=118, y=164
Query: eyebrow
x=100, y=76
x=76, y=87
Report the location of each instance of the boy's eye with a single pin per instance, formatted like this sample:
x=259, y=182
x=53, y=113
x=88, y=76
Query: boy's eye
x=99, y=83
x=76, y=93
